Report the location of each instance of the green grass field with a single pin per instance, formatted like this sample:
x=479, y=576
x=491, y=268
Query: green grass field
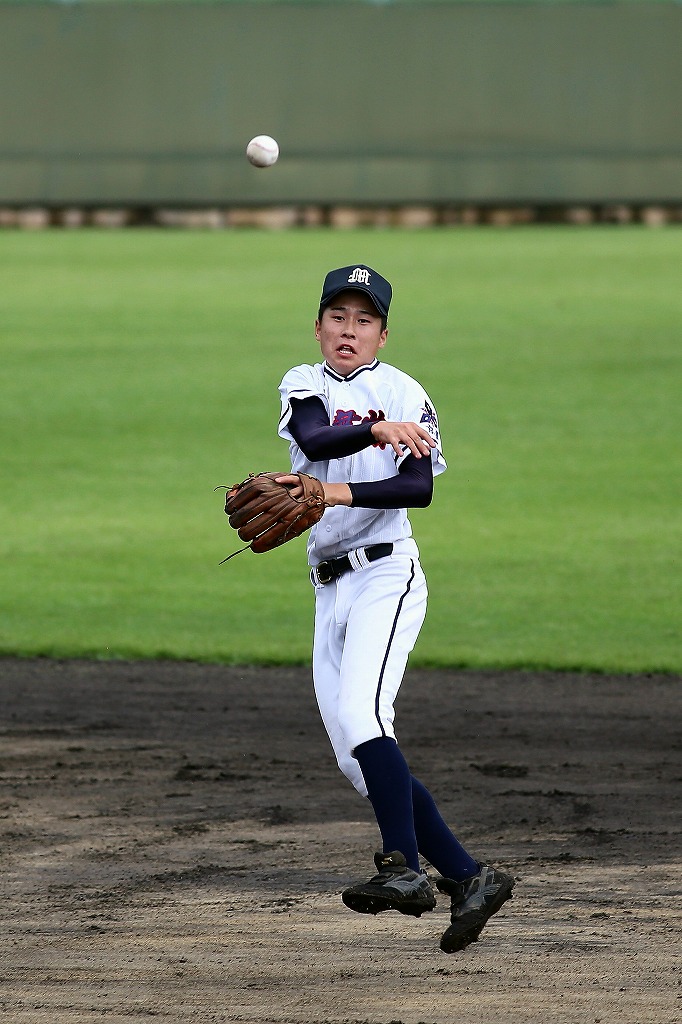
x=140, y=369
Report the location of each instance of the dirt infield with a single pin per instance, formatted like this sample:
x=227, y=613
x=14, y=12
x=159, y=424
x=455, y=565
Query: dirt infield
x=174, y=839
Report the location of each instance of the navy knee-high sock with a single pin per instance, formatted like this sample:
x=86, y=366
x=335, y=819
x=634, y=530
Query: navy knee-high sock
x=436, y=841
x=389, y=786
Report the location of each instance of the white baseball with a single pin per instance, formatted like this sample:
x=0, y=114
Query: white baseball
x=262, y=151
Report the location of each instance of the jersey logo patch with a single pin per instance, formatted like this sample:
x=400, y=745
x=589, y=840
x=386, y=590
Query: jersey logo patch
x=347, y=417
x=430, y=419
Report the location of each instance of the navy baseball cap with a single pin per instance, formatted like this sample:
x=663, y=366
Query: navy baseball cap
x=360, y=278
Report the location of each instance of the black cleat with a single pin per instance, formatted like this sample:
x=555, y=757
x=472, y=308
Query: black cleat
x=396, y=887
x=473, y=901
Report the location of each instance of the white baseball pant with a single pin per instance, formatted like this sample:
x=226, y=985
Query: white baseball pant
x=366, y=624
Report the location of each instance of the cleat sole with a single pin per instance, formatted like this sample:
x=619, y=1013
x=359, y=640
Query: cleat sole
x=364, y=903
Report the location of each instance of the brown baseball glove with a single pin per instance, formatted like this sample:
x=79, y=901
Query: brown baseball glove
x=266, y=513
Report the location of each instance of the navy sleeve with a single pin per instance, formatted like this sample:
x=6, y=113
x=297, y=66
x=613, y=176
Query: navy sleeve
x=318, y=440
x=411, y=488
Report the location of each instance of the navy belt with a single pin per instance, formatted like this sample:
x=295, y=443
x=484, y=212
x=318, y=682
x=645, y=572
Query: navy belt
x=331, y=569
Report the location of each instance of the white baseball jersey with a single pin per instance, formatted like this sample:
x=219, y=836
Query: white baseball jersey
x=376, y=391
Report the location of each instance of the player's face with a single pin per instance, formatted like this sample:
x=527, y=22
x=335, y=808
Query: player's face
x=350, y=332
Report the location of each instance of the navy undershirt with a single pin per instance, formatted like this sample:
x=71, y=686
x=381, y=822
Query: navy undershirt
x=319, y=441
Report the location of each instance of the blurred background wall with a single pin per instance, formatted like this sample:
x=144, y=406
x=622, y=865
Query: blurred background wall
x=445, y=102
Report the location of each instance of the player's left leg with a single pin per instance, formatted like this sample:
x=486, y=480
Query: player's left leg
x=476, y=891
x=436, y=841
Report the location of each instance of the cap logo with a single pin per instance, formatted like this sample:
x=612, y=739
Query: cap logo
x=359, y=276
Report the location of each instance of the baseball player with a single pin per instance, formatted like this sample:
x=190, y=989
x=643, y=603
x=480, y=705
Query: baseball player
x=370, y=433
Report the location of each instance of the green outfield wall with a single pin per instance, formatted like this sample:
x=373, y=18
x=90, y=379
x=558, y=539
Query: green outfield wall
x=153, y=103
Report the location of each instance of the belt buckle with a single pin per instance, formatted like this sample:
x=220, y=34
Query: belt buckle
x=324, y=573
